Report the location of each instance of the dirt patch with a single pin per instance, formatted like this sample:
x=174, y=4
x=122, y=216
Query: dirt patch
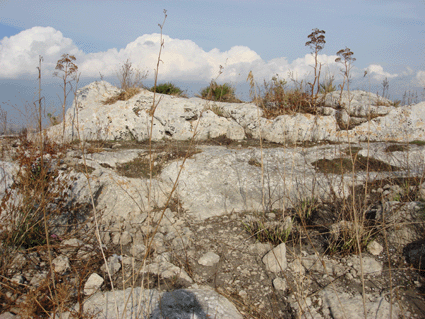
x=397, y=148
x=344, y=165
x=151, y=164
x=81, y=168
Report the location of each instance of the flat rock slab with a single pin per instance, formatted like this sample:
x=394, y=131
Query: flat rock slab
x=149, y=303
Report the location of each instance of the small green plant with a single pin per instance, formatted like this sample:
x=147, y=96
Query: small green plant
x=417, y=142
x=327, y=86
x=265, y=232
x=54, y=120
x=219, y=92
x=167, y=88
x=306, y=207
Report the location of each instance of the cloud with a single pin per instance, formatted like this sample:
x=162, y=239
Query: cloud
x=181, y=60
x=19, y=54
x=408, y=71
x=420, y=79
x=377, y=72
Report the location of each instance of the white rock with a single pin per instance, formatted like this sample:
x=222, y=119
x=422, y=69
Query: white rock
x=125, y=238
x=19, y=279
x=275, y=260
x=149, y=303
x=61, y=264
x=209, y=259
x=370, y=265
x=297, y=267
x=260, y=249
x=279, y=284
x=167, y=270
x=339, y=305
x=71, y=245
x=113, y=264
x=93, y=283
x=375, y=248
x=138, y=250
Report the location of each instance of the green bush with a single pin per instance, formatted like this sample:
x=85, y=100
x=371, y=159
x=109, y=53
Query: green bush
x=219, y=92
x=167, y=88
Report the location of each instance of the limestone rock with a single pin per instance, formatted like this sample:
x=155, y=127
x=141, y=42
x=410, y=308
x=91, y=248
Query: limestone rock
x=404, y=222
x=209, y=259
x=275, y=260
x=370, y=265
x=61, y=264
x=93, y=283
x=167, y=270
x=375, y=248
x=359, y=103
x=402, y=124
x=279, y=283
x=149, y=303
x=339, y=305
x=113, y=265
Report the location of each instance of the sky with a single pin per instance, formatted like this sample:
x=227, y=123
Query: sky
x=266, y=37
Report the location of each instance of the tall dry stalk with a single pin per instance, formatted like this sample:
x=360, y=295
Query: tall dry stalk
x=316, y=44
x=66, y=68
x=346, y=58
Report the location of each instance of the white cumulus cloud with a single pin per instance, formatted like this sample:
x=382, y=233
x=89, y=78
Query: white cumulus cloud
x=377, y=72
x=19, y=54
x=420, y=78
x=181, y=60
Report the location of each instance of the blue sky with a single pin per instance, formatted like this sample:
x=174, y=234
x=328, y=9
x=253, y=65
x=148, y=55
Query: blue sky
x=267, y=37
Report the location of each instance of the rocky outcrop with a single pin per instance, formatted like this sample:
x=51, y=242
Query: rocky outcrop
x=358, y=116
x=173, y=249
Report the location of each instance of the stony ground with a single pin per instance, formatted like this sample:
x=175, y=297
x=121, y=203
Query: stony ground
x=221, y=253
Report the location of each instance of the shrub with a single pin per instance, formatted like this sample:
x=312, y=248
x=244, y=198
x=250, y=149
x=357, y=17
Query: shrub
x=219, y=92
x=130, y=83
x=277, y=100
x=167, y=88
x=36, y=194
x=130, y=77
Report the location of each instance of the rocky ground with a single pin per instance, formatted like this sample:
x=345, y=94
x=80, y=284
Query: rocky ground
x=229, y=243
x=323, y=219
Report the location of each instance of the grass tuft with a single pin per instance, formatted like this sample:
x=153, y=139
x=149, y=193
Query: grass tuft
x=168, y=88
x=219, y=92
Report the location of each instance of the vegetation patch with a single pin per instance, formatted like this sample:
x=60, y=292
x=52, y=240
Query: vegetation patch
x=168, y=88
x=344, y=165
x=417, y=142
x=219, y=92
x=124, y=95
x=351, y=150
x=266, y=232
x=146, y=166
x=278, y=100
x=397, y=148
x=81, y=168
x=254, y=162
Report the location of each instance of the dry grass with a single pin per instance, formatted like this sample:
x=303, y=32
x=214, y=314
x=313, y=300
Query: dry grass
x=124, y=95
